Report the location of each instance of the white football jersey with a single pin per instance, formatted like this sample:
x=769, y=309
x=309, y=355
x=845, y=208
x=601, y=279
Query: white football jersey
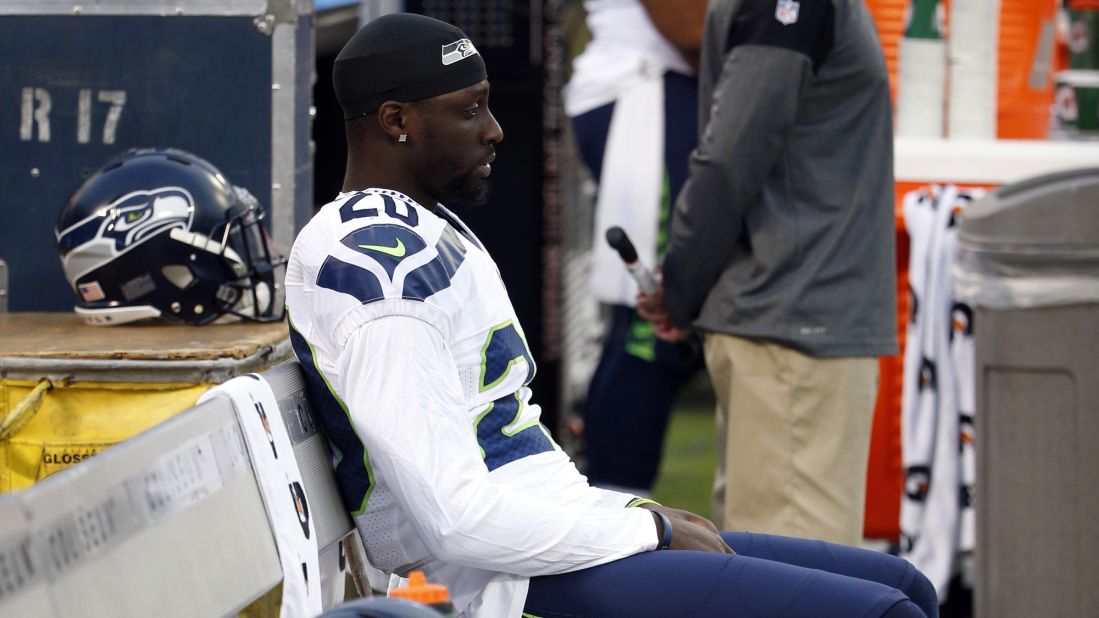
x=418, y=369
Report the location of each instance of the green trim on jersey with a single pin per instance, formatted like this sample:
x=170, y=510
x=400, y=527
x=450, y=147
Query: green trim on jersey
x=503, y=430
x=350, y=422
x=546, y=432
x=641, y=501
x=518, y=413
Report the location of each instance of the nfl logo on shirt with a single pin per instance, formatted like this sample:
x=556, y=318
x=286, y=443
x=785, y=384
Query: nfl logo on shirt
x=786, y=12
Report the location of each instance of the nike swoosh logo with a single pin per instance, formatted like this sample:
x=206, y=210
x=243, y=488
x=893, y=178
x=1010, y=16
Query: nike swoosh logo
x=396, y=250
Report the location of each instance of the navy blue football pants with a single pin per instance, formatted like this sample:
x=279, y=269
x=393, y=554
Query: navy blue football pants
x=638, y=377
x=772, y=576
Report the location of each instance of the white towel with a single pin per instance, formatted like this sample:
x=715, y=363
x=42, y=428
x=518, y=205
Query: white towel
x=280, y=484
x=625, y=63
x=630, y=188
x=625, y=47
x=937, y=396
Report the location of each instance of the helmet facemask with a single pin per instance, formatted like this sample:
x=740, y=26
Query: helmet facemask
x=256, y=292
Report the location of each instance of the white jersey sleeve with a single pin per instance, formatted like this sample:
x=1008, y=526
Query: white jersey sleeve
x=401, y=386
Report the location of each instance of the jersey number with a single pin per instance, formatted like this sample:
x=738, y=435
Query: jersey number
x=409, y=216
x=500, y=438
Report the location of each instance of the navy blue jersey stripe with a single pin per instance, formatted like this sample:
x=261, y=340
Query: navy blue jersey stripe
x=339, y=276
x=435, y=276
x=353, y=473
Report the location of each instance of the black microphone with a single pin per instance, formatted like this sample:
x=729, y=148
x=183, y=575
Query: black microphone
x=617, y=239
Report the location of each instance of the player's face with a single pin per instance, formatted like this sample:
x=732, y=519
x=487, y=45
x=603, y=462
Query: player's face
x=459, y=145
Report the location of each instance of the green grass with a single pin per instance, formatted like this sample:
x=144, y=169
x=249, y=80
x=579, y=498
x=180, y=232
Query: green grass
x=687, y=470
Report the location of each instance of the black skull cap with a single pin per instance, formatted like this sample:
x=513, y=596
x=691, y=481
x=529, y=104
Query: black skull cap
x=403, y=57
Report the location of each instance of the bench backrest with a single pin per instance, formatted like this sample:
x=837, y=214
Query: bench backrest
x=167, y=523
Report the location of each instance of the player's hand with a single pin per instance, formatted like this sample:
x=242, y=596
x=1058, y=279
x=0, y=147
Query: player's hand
x=689, y=535
x=692, y=532
x=699, y=520
x=651, y=308
x=666, y=331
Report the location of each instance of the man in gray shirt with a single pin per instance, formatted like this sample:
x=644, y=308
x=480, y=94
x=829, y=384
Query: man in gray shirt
x=781, y=252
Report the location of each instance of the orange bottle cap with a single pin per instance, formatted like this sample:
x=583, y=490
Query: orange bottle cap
x=421, y=590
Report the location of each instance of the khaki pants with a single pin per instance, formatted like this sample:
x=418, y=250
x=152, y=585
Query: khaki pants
x=793, y=435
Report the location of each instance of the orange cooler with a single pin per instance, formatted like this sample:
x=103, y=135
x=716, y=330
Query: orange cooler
x=1026, y=61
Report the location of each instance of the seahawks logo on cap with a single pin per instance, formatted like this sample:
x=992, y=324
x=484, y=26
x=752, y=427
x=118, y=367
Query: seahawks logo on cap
x=453, y=52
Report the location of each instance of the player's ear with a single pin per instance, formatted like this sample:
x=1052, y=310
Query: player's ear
x=391, y=119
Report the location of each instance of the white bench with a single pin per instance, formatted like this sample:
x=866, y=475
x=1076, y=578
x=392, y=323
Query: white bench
x=167, y=523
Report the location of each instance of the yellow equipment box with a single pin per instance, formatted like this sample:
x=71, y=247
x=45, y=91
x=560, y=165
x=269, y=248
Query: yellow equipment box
x=69, y=390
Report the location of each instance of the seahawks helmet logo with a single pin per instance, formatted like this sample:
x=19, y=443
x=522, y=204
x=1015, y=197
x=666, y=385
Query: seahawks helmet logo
x=144, y=214
x=122, y=225
x=453, y=52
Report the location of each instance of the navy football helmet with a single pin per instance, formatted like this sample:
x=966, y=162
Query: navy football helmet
x=162, y=233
